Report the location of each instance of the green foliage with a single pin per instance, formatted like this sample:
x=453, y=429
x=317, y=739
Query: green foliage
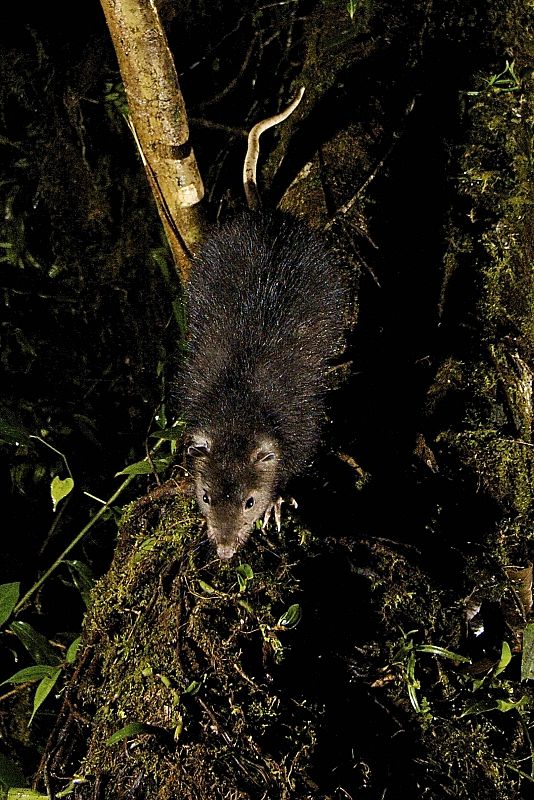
x=9, y=595
x=31, y=674
x=37, y=645
x=46, y=674
x=505, y=81
x=59, y=489
x=72, y=651
x=352, y=7
x=129, y=731
x=43, y=690
x=206, y=587
x=471, y=696
x=193, y=688
x=359, y=11
x=291, y=617
x=115, y=97
x=407, y=658
x=146, y=467
x=49, y=667
x=76, y=237
x=82, y=578
x=171, y=434
x=245, y=576
x=88, y=295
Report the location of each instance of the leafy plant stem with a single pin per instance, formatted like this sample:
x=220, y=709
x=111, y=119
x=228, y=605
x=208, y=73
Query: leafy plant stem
x=94, y=497
x=52, y=529
x=72, y=544
x=84, y=530
x=47, y=444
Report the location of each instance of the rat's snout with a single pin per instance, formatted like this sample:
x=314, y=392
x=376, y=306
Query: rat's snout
x=226, y=551
x=224, y=538
x=228, y=535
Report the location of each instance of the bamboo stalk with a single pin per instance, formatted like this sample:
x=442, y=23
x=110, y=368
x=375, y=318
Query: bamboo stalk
x=158, y=119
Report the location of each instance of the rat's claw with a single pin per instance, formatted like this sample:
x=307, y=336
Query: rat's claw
x=267, y=516
x=276, y=511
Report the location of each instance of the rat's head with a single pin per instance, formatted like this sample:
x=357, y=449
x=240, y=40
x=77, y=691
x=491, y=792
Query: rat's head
x=235, y=484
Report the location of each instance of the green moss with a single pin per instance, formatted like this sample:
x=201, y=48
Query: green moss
x=503, y=467
x=172, y=639
x=497, y=179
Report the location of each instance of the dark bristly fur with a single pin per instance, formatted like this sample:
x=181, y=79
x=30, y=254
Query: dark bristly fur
x=266, y=309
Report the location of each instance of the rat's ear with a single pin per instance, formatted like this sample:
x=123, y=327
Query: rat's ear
x=265, y=454
x=263, y=457
x=199, y=445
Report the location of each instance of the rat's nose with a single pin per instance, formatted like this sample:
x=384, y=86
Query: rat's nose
x=226, y=551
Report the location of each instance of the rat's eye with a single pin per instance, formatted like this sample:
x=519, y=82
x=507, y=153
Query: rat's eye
x=249, y=503
x=206, y=498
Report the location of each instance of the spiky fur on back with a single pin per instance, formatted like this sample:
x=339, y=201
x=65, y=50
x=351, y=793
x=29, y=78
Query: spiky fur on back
x=266, y=307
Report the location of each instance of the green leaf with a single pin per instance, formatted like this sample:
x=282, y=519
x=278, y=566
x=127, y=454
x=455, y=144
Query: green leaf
x=145, y=467
x=510, y=705
x=207, y=588
x=244, y=576
x=246, y=606
x=483, y=706
x=83, y=579
x=145, y=546
x=59, y=489
x=70, y=787
x=246, y=571
x=43, y=690
x=410, y=671
x=170, y=434
x=352, y=7
x=527, y=659
x=441, y=651
x=179, y=727
x=25, y=794
x=412, y=694
x=506, y=657
x=31, y=674
x=480, y=707
x=72, y=652
x=133, y=729
x=35, y=643
x=193, y=688
x=291, y=617
x=10, y=433
x=139, y=468
x=10, y=773
x=9, y=595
